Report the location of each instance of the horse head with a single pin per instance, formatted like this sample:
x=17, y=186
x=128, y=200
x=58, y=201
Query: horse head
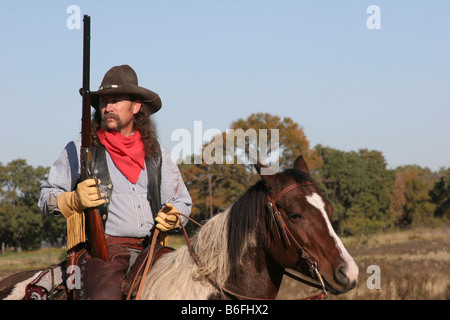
x=300, y=233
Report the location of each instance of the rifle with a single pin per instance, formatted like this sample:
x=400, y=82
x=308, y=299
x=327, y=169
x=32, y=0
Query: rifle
x=97, y=240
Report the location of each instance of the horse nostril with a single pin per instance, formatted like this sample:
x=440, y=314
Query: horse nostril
x=340, y=276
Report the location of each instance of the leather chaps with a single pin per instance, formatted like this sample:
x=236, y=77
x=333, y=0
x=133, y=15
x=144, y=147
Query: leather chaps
x=101, y=280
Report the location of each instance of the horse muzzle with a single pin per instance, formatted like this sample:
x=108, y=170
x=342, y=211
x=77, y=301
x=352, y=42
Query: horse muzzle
x=345, y=278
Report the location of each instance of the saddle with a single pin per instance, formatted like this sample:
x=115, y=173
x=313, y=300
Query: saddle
x=133, y=278
x=51, y=283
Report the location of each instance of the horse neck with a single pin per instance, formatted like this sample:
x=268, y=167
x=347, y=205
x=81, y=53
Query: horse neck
x=259, y=277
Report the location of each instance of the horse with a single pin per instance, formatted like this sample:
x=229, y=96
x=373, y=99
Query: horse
x=281, y=223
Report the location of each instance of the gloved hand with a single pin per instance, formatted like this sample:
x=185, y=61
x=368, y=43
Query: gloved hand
x=85, y=196
x=166, y=222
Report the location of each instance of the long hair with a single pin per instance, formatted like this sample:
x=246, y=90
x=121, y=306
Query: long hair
x=244, y=220
x=142, y=121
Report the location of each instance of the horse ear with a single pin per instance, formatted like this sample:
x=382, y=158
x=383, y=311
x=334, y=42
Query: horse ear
x=264, y=170
x=300, y=164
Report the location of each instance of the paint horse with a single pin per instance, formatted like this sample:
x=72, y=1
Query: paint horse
x=282, y=222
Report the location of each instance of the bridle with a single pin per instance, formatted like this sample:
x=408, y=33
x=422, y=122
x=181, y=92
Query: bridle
x=286, y=235
x=283, y=232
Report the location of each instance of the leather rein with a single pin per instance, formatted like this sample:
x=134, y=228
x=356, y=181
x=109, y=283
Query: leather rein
x=283, y=232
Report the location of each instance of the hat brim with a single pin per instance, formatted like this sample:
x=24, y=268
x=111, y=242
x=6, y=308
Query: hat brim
x=149, y=98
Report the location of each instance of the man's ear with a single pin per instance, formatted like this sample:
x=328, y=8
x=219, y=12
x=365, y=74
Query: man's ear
x=137, y=104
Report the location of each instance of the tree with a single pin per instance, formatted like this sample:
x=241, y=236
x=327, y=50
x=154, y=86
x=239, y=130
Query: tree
x=359, y=186
x=440, y=195
x=411, y=203
x=20, y=219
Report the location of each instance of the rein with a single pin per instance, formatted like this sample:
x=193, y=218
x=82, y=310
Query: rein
x=282, y=229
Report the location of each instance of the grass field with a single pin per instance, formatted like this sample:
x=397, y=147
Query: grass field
x=14, y=262
x=414, y=264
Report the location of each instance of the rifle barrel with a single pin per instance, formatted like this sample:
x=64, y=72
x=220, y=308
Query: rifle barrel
x=98, y=246
x=86, y=51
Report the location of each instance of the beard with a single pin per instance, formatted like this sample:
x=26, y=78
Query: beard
x=108, y=116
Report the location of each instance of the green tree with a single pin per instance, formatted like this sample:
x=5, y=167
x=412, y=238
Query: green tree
x=20, y=219
x=359, y=186
x=411, y=203
x=440, y=195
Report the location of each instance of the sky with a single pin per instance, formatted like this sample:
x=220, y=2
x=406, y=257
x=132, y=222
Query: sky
x=351, y=78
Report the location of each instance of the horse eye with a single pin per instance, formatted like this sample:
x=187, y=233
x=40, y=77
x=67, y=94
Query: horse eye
x=295, y=216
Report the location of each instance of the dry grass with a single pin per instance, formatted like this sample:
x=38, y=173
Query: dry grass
x=414, y=265
x=14, y=262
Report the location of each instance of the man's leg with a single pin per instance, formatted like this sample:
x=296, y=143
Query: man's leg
x=102, y=280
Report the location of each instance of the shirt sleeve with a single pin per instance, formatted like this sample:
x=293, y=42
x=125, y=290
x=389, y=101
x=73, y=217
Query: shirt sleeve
x=173, y=188
x=63, y=176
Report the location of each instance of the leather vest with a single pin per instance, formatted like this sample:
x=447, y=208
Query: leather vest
x=100, y=169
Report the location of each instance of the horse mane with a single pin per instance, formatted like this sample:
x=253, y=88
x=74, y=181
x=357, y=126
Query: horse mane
x=243, y=217
x=300, y=176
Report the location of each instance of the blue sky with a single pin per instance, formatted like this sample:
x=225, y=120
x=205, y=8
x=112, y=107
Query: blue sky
x=349, y=87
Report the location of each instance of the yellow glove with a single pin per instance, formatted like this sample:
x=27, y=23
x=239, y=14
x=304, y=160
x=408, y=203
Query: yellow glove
x=85, y=196
x=165, y=220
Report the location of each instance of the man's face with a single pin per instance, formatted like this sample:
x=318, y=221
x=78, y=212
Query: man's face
x=118, y=113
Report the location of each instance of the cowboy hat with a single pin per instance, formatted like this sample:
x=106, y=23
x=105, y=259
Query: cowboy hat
x=123, y=80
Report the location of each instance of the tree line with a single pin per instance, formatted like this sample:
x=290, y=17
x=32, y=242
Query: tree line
x=367, y=196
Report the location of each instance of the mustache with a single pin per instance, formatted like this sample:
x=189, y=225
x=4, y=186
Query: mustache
x=107, y=116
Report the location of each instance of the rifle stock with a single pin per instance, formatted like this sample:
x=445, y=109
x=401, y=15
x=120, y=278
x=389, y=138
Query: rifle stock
x=96, y=239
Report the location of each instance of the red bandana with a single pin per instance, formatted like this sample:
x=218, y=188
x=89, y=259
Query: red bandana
x=127, y=153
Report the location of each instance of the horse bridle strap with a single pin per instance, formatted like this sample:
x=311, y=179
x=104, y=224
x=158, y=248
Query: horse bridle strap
x=285, y=233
